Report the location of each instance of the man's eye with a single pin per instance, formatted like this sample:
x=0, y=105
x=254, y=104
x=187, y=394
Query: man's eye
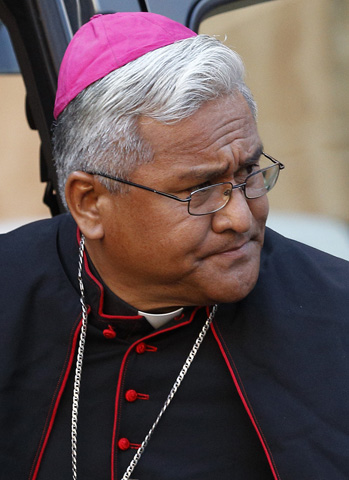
x=241, y=175
x=247, y=170
x=201, y=185
x=251, y=168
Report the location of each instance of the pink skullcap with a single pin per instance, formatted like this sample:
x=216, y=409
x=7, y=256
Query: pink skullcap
x=108, y=42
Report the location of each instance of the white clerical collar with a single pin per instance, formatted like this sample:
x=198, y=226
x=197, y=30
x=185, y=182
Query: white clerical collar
x=157, y=320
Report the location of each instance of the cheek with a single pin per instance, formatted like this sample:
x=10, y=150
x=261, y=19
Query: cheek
x=177, y=237
x=159, y=231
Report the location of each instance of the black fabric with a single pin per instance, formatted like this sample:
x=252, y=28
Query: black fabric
x=39, y=313
x=286, y=345
x=291, y=350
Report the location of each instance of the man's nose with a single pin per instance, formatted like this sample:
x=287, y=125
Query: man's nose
x=236, y=215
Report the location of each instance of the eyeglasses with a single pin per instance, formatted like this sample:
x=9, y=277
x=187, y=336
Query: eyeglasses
x=213, y=198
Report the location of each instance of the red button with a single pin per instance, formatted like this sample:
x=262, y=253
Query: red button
x=109, y=332
x=141, y=347
x=124, y=444
x=131, y=395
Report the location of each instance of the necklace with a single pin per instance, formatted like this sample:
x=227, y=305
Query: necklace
x=78, y=371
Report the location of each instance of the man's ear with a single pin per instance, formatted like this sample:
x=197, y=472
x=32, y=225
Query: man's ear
x=83, y=193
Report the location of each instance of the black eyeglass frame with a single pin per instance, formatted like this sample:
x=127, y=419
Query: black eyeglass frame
x=188, y=199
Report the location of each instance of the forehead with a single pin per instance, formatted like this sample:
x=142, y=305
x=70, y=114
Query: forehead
x=221, y=134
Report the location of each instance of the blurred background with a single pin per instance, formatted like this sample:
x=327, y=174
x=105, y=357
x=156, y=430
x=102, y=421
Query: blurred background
x=296, y=55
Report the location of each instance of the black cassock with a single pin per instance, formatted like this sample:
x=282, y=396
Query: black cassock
x=267, y=396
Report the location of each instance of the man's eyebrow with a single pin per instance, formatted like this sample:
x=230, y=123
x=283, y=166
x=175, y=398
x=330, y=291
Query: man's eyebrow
x=204, y=172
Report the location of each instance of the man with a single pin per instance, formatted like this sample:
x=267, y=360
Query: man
x=165, y=179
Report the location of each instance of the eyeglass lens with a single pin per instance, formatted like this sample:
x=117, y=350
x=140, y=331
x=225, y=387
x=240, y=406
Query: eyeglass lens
x=212, y=198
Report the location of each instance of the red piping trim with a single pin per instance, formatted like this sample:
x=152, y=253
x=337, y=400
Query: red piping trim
x=101, y=291
x=121, y=373
x=136, y=446
x=142, y=396
x=59, y=396
x=247, y=408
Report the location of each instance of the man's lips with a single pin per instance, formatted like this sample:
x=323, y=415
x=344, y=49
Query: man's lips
x=235, y=248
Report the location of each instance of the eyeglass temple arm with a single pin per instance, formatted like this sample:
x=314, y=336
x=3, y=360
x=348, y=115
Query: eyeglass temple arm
x=133, y=184
x=281, y=165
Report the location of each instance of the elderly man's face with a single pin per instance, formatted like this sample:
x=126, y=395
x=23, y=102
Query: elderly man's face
x=154, y=254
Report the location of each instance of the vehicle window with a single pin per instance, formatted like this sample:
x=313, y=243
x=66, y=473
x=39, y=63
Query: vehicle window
x=8, y=62
x=21, y=191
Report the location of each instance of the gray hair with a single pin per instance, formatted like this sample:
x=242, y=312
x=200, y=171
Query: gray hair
x=98, y=130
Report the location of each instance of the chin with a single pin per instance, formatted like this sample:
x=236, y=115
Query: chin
x=222, y=293
x=229, y=278
x=232, y=289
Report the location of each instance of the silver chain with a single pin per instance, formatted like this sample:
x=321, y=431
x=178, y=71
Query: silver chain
x=78, y=370
x=79, y=360
x=172, y=393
